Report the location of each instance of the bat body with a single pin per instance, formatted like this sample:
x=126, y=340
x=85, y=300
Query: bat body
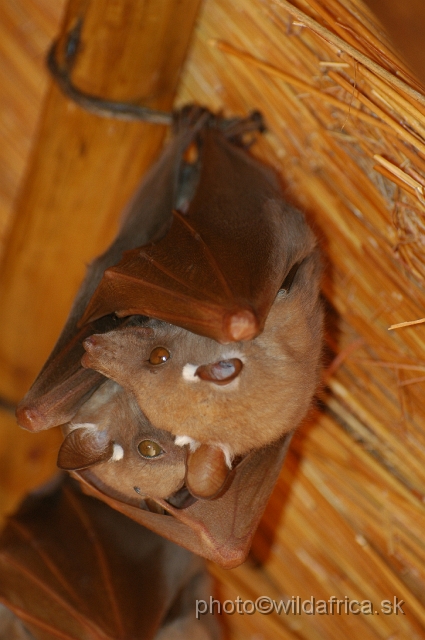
x=116, y=453
x=201, y=326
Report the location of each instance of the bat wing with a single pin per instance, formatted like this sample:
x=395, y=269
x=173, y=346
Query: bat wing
x=63, y=385
x=222, y=529
x=218, y=269
x=71, y=567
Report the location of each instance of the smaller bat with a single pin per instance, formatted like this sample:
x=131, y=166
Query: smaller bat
x=220, y=529
x=120, y=452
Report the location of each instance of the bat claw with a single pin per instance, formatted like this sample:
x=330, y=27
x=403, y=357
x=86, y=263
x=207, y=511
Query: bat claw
x=91, y=346
x=30, y=418
x=242, y=325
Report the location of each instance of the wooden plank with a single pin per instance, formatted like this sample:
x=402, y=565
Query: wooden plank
x=26, y=29
x=83, y=170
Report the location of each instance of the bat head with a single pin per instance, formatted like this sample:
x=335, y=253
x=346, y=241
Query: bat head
x=236, y=397
x=130, y=456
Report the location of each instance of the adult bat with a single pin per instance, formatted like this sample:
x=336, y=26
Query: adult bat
x=206, y=245
x=223, y=243
x=71, y=567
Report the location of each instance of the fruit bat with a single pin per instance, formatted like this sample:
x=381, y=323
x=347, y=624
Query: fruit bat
x=133, y=462
x=206, y=312
x=72, y=567
x=237, y=396
x=140, y=471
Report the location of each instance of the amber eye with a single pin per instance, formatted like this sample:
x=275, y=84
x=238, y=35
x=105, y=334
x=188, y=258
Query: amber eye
x=159, y=355
x=149, y=449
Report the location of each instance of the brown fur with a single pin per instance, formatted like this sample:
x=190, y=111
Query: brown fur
x=271, y=394
x=115, y=412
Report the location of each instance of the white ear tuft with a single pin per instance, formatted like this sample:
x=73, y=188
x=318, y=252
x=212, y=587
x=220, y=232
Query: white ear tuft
x=118, y=452
x=228, y=455
x=182, y=441
x=189, y=371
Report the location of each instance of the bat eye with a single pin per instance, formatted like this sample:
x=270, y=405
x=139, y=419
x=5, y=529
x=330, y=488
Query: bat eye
x=159, y=355
x=149, y=449
x=221, y=372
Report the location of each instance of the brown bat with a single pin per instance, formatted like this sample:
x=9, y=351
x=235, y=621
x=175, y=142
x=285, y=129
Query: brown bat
x=238, y=396
x=207, y=244
x=120, y=457
x=132, y=459
x=73, y=568
x=232, y=243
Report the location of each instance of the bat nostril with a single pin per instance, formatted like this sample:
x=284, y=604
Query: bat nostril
x=221, y=372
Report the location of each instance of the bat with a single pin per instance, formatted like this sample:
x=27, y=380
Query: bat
x=204, y=392
x=206, y=312
x=136, y=461
x=206, y=245
x=140, y=471
x=72, y=567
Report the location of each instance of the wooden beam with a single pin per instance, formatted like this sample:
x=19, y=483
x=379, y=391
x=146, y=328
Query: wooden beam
x=84, y=169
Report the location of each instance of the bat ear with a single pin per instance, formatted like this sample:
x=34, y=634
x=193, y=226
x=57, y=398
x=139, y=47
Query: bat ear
x=84, y=447
x=206, y=472
x=221, y=372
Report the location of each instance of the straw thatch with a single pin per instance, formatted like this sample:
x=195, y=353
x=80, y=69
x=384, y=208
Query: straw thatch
x=346, y=131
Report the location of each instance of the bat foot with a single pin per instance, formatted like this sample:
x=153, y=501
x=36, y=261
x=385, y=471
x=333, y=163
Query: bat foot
x=236, y=129
x=191, y=116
